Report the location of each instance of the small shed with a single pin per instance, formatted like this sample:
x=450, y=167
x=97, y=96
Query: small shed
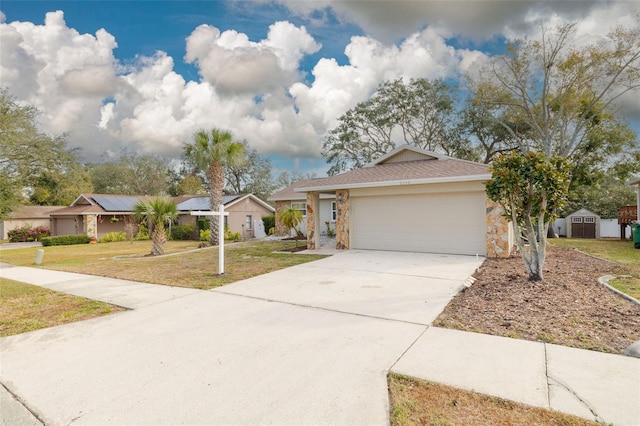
x=583, y=224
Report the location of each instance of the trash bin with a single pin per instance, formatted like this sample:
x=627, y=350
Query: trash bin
x=635, y=234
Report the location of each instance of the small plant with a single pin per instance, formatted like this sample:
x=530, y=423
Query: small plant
x=184, y=232
x=113, y=237
x=291, y=218
x=269, y=221
x=330, y=232
x=205, y=234
x=115, y=219
x=231, y=236
x=143, y=233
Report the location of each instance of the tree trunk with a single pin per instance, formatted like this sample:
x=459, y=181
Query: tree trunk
x=216, y=186
x=158, y=239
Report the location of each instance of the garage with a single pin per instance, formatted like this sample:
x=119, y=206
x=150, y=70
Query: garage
x=452, y=223
x=412, y=200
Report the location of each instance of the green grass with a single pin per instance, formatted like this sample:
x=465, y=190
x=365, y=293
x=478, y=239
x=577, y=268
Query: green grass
x=621, y=252
x=189, y=267
x=25, y=307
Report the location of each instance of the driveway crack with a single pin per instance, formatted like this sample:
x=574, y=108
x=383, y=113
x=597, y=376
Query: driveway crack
x=555, y=381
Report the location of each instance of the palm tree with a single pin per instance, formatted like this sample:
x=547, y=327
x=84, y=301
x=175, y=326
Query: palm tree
x=210, y=152
x=156, y=212
x=291, y=218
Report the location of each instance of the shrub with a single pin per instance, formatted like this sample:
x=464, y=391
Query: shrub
x=65, y=240
x=205, y=234
x=27, y=233
x=269, y=221
x=112, y=237
x=143, y=233
x=184, y=232
x=203, y=223
x=231, y=236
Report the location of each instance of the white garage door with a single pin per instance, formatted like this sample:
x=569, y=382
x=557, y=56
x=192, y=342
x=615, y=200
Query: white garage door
x=435, y=223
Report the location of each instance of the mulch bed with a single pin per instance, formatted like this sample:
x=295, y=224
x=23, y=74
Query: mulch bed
x=570, y=308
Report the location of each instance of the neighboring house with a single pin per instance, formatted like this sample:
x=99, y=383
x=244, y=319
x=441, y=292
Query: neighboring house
x=32, y=216
x=583, y=224
x=98, y=214
x=411, y=200
x=289, y=198
x=245, y=213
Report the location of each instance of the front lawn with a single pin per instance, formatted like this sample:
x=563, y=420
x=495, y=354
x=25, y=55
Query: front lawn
x=184, y=265
x=25, y=307
x=621, y=252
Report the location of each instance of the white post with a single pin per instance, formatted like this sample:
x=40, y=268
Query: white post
x=221, y=240
x=221, y=214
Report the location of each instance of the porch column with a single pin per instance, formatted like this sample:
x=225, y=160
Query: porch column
x=281, y=206
x=313, y=220
x=342, y=219
x=499, y=233
x=91, y=226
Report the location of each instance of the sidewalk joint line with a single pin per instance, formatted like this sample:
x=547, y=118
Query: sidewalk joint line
x=318, y=308
x=21, y=402
x=409, y=348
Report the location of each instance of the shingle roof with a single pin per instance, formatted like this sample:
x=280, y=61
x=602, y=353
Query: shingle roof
x=289, y=193
x=408, y=172
x=33, y=212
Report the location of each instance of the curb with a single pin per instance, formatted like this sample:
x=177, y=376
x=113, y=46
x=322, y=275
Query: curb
x=604, y=280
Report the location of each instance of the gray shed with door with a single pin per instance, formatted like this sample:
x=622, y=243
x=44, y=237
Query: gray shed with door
x=583, y=224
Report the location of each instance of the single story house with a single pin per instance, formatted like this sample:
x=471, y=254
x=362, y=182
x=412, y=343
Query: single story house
x=98, y=214
x=289, y=198
x=411, y=200
x=31, y=216
x=245, y=213
x=583, y=224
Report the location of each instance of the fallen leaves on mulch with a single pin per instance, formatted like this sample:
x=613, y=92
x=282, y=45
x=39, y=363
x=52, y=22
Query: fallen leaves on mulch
x=570, y=308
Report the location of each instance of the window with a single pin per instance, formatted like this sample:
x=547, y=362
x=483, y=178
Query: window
x=333, y=211
x=302, y=207
x=576, y=219
x=590, y=219
x=247, y=224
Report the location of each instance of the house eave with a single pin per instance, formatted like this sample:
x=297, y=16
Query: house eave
x=455, y=179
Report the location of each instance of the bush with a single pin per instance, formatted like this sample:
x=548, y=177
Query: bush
x=205, y=234
x=231, y=236
x=65, y=240
x=203, y=223
x=184, y=232
x=143, y=233
x=269, y=221
x=112, y=237
x=27, y=233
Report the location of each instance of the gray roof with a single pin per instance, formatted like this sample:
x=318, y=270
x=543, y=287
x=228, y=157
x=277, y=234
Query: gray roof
x=113, y=203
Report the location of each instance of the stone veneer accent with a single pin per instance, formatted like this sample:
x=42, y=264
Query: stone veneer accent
x=92, y=225
x=498, y=231
x=281, y=206
x=311, y=222
x=342, y=219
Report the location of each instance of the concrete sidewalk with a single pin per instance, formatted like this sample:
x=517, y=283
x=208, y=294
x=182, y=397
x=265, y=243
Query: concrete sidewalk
x=309, y=344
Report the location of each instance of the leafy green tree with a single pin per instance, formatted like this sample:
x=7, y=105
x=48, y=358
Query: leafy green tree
x=291, y=218
x=131, y=174
x=41, y=169
x=253, y=176
x=531, y=188
x=9, y=195
x=209, y=153
x=419, y=113
x=558, y=89
x=603, y=197
x=156, y=213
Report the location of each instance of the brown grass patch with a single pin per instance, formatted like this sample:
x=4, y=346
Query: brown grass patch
x=418, y=402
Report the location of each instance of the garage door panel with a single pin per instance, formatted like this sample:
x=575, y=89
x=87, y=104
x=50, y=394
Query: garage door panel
x=439, y=223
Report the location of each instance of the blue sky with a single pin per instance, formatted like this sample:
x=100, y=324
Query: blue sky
x=147, y=74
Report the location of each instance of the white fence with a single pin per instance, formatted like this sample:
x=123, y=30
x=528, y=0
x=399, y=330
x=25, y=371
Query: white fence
x=609, y=228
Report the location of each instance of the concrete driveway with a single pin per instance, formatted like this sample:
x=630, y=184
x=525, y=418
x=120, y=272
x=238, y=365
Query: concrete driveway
x=306, y=345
